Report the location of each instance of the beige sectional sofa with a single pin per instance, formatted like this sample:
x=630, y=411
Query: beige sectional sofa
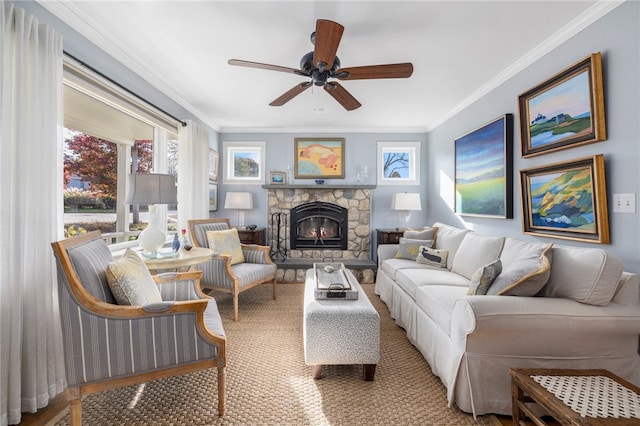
x=586, y=315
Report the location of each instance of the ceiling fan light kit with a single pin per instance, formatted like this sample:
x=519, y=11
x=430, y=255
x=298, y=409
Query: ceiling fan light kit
x=322, y=64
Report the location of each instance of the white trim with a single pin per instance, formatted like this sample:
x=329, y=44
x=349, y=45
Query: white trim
x=585, y=19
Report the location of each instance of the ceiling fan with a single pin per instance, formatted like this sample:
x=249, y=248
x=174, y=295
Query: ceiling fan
x=322, y=64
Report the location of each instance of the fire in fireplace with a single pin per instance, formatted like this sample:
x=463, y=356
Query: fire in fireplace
x=319, y=225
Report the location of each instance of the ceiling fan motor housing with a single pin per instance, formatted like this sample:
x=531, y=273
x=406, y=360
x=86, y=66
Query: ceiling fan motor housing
x=319, y=77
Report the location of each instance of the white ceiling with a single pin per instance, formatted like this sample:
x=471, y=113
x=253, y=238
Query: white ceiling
x=460, y=50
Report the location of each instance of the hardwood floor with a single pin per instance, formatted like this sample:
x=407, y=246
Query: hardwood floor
x=47, y=414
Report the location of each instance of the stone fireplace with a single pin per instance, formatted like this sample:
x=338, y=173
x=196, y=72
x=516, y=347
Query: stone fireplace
x=330, y=223
x=318, y=225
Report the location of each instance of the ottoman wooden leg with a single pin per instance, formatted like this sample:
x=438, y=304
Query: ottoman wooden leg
x=316, y=371
x=369, y=371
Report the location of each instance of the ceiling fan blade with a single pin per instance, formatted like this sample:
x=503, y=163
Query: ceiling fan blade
x=341, y=95
x=327, y=39
x=376, y=71
x=290, y=94
x=270, y=67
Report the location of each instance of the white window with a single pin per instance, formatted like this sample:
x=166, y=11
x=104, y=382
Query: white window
x=110, y=133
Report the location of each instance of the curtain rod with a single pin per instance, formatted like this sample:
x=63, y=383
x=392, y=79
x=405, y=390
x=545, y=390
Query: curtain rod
x=84, y=64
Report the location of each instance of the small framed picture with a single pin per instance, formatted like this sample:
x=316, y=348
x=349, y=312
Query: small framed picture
x=277, y=178
x=213, y=196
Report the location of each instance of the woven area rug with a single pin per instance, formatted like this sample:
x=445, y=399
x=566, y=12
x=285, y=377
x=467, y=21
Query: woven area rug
x=268, y=382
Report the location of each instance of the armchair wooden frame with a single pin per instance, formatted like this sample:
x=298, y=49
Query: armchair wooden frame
x=107, y=311
x=235, y=289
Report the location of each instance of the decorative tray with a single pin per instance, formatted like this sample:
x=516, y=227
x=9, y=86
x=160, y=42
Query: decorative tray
x=333, y=283
x=165, y=253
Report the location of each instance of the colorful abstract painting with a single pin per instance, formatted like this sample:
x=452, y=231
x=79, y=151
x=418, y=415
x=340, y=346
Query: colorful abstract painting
x=566, y=200
x=319, y=158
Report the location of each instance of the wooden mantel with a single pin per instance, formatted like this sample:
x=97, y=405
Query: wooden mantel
x=316, y=186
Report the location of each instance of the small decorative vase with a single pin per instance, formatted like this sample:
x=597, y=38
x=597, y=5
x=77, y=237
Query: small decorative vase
x=175, y=245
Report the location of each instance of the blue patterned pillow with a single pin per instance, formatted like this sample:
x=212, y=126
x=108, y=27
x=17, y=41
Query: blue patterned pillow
x=483, y=277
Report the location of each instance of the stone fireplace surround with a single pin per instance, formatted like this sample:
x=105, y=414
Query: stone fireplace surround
x=355, y=198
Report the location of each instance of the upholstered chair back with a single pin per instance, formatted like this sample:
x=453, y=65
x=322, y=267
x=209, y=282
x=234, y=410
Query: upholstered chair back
x=90, y=260
x=199, y=231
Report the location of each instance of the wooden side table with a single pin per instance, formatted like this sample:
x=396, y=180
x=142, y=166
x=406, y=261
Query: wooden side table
x=183, y=261
x=252, y=236
x=574, y=397
x=388, y=236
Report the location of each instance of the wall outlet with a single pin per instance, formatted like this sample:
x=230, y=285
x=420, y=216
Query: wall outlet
x=624, y=203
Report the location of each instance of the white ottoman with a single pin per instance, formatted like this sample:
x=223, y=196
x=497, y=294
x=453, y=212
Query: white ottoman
x=340, y=331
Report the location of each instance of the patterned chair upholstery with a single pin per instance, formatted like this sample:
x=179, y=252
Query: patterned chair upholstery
x=108, y=345
x=219, y=274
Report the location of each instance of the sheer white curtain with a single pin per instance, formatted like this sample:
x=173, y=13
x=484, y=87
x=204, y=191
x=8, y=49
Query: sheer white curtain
x=193, y=164
x=31, y=357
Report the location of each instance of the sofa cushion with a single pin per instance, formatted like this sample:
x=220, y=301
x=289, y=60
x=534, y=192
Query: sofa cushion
x=586, y=275
x=131, y=282
x=438, y=301
x=408, y=248
x=426, y=233
x=411, y=279
x=433, y=257
x=226, y=242
x=484, y=277
x=449, y=238
x=525, y=274
x=475, y=251
x=392, y=266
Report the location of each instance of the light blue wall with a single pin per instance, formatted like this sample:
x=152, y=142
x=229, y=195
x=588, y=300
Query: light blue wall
x=617, y=36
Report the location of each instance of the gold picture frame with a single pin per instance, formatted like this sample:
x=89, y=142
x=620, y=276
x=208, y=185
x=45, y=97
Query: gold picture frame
x=319, y=158
x=565, y=110
x=566, y=200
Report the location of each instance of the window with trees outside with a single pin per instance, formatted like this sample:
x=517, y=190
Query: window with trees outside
x=109, y=134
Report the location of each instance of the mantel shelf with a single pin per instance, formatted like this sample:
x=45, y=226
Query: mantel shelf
x=315, y=186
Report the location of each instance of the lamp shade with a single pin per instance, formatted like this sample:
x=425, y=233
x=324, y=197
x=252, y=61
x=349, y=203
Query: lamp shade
x=406, y=201
x=238, y=200
x=152, y=188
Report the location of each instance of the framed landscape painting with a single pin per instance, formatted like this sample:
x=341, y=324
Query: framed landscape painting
x=398, y=163
x=243, y=162
x=564, y=111
x=319, y=158
x=484, y=170
x=213, y=196
x=566, y=200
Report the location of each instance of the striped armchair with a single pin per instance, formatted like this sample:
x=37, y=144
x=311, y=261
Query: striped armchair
x=220, y=274
x=108, y=345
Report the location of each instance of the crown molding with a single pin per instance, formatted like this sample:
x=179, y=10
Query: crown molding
x=588, y=17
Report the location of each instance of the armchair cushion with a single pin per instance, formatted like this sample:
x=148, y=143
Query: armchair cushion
x=226, y=242
x=130, y=281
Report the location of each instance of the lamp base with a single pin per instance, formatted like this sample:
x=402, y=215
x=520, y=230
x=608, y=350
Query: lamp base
x=151, y=239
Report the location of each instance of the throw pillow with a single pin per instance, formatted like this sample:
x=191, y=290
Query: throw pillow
x=130, y=281
x=408, y=248
x=484, y=277
x=427, y=233
x=433, y=257
x=226, y=242
x=527, y=274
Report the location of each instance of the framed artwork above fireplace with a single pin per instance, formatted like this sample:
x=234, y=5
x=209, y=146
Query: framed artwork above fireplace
x=318, y=158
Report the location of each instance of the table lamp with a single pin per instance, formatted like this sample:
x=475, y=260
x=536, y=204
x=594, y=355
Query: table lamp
x=151, y=189
x=240, y=201
x=405, y=202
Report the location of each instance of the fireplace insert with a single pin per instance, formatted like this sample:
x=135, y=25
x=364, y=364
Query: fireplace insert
x=319, y=225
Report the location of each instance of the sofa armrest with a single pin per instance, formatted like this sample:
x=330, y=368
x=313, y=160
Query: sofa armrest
x=538, y=326
x=387, y=251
